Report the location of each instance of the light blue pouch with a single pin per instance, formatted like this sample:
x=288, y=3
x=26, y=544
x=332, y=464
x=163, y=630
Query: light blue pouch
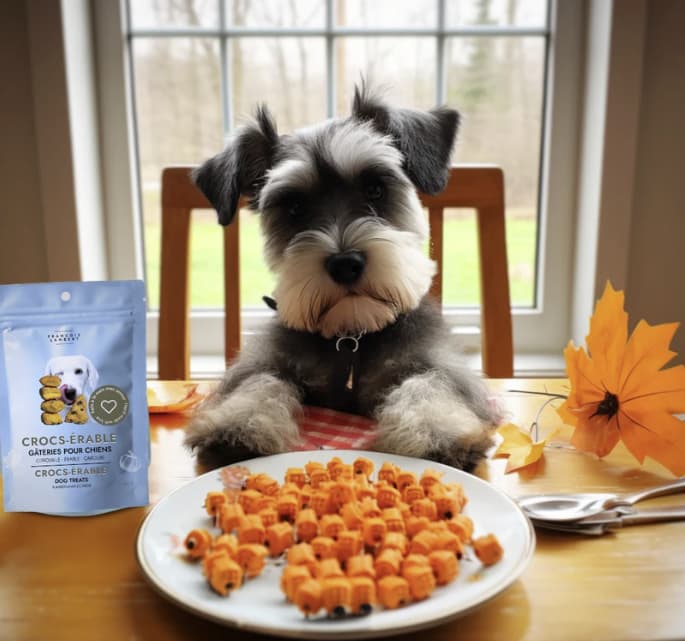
x=74, y=434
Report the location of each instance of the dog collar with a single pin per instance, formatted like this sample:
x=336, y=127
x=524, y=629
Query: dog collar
x=346, y=343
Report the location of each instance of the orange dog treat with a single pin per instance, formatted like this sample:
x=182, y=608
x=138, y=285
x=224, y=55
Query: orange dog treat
x=415, y=524
x=336, y=595
x=319, y=476
x=424, y=507
x=363, y=467
x=362, y=595
x=388, y=473
x=333, y=463
x=230, y=516
x=248, y=500
x=264, y=503
x=214, y=501
x=423, y=543
x=444, y=565
x=387, y=496
x=412, y=493
x=227, y=543
x=197, y=543
x=348, y=544
x=210, y=558
x=250, y=557
x=308, y=597
x=251, y=530
x=393, y=520
x=342, y=492
x=388, y=562
x=331, y=525
x=412, y=560
x=446, y=503
x=323, y=547
x=392, y=591
x=429, y=478
x=287, y=507
x=488, y=549
x=302, y=554
x=462, y=526
x=395, y=541
x=374, y=530
x=306, y=525
x=369, y=508
x=313, y=465
x=361, y=565
x=320, y=502
x=421, y=581
x=342, y=472
x=295, y=475
x=352, y=516
x=305, y=497
x=451, y=542
x=279, y=537
x=404, y=479
x=363, y=489
x=292, y=577
x=266, y=485
x=268, y=516
x=328, y=568
x=405, y=509
x=226, y=575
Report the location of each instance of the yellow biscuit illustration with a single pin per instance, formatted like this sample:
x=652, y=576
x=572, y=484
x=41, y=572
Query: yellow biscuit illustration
x=50, y=418
x=78, y=413
x=50, y=381
x=50, y=393
x=53, y=406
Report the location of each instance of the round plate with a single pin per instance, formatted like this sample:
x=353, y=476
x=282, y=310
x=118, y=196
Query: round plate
x=260, y=605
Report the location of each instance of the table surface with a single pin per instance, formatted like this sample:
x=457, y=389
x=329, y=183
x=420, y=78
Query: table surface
x=77, y=578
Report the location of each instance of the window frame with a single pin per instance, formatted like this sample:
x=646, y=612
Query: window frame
x=539, y=330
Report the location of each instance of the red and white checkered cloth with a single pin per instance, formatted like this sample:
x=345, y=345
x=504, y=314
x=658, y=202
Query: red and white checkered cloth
x=322, y=428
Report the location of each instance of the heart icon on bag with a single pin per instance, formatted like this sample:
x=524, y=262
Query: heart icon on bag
x=108, y=406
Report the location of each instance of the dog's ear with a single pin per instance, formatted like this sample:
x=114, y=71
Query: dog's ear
x=48, y=367
x=92, y=374
x=241, y=167
x=425, y=138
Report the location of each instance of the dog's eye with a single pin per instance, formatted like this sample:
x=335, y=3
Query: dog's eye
x=293, y=208
x=78, y=370
x=374, y=190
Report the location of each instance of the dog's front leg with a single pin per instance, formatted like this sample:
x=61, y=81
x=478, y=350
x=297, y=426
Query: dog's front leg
x=251, y=417
x=429, y=416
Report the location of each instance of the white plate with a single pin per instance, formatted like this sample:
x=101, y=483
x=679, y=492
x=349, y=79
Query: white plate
x=260, y=605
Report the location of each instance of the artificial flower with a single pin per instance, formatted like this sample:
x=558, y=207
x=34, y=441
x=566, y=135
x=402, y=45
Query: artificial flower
x=619, y=391
x=518, y=447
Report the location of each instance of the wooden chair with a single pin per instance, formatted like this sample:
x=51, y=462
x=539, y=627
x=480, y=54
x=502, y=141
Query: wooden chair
x=478, y=187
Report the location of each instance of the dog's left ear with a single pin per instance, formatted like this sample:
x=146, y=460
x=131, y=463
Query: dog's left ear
x=240, y=168
x=425, y=138
x=92, y=374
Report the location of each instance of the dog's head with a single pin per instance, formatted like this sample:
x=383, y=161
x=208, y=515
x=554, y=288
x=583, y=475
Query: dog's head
x=78, y=376
x=344, y=229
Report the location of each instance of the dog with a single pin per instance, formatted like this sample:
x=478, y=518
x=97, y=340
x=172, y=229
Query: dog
x=78, y=376
x=355, y=331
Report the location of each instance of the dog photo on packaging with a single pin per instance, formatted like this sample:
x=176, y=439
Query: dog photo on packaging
x=355, y=330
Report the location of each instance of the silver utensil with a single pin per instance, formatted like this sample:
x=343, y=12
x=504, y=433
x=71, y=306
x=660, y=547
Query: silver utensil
x=574, y=507
x=610, y=520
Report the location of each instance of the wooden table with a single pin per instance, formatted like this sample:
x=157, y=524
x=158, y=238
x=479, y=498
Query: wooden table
x=77, y=578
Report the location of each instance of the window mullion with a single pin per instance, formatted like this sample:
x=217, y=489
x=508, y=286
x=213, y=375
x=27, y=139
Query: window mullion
x=330, y=61
x=440, y=72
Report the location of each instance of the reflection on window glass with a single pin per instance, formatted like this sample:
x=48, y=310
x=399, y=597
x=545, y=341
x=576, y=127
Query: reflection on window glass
x=288, y=74
x=497, y=85
x=386, y=13
x=404, y=68
x=519, y=13
x=147, y=14
x=276, y=13
x=178, y=119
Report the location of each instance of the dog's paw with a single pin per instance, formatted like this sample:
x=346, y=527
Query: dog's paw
x=218, y=448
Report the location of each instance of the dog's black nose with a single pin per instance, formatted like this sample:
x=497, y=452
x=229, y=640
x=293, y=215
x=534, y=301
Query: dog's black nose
x=346, y=268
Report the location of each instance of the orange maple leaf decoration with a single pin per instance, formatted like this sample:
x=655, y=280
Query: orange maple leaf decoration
x=619, y=390
x=518, y=448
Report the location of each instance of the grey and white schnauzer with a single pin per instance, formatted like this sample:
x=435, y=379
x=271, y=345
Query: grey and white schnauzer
x=346, y=236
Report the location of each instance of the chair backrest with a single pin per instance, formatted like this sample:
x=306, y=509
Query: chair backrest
x=476, y=187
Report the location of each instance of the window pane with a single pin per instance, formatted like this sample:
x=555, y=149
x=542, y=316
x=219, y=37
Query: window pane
x=178, y=119
x=520, y=13
x=276, y=13
x=174, y=13
x=386, y=13
x=288, y=74
x=403, y=68
x=497, y=84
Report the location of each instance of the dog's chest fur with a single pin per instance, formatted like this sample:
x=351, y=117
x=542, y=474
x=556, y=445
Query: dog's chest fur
x=382, y=360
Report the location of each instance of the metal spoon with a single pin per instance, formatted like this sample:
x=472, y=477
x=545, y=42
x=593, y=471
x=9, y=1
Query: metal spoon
x=573, y=507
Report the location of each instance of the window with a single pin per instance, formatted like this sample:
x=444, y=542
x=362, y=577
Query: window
x=198, y=66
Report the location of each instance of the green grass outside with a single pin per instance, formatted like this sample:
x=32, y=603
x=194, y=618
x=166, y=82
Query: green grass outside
x=460, y=282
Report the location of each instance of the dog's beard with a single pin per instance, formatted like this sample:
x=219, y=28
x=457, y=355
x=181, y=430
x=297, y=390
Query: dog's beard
x=396, y=277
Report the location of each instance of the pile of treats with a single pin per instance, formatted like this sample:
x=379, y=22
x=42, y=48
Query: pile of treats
x=350, y=543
